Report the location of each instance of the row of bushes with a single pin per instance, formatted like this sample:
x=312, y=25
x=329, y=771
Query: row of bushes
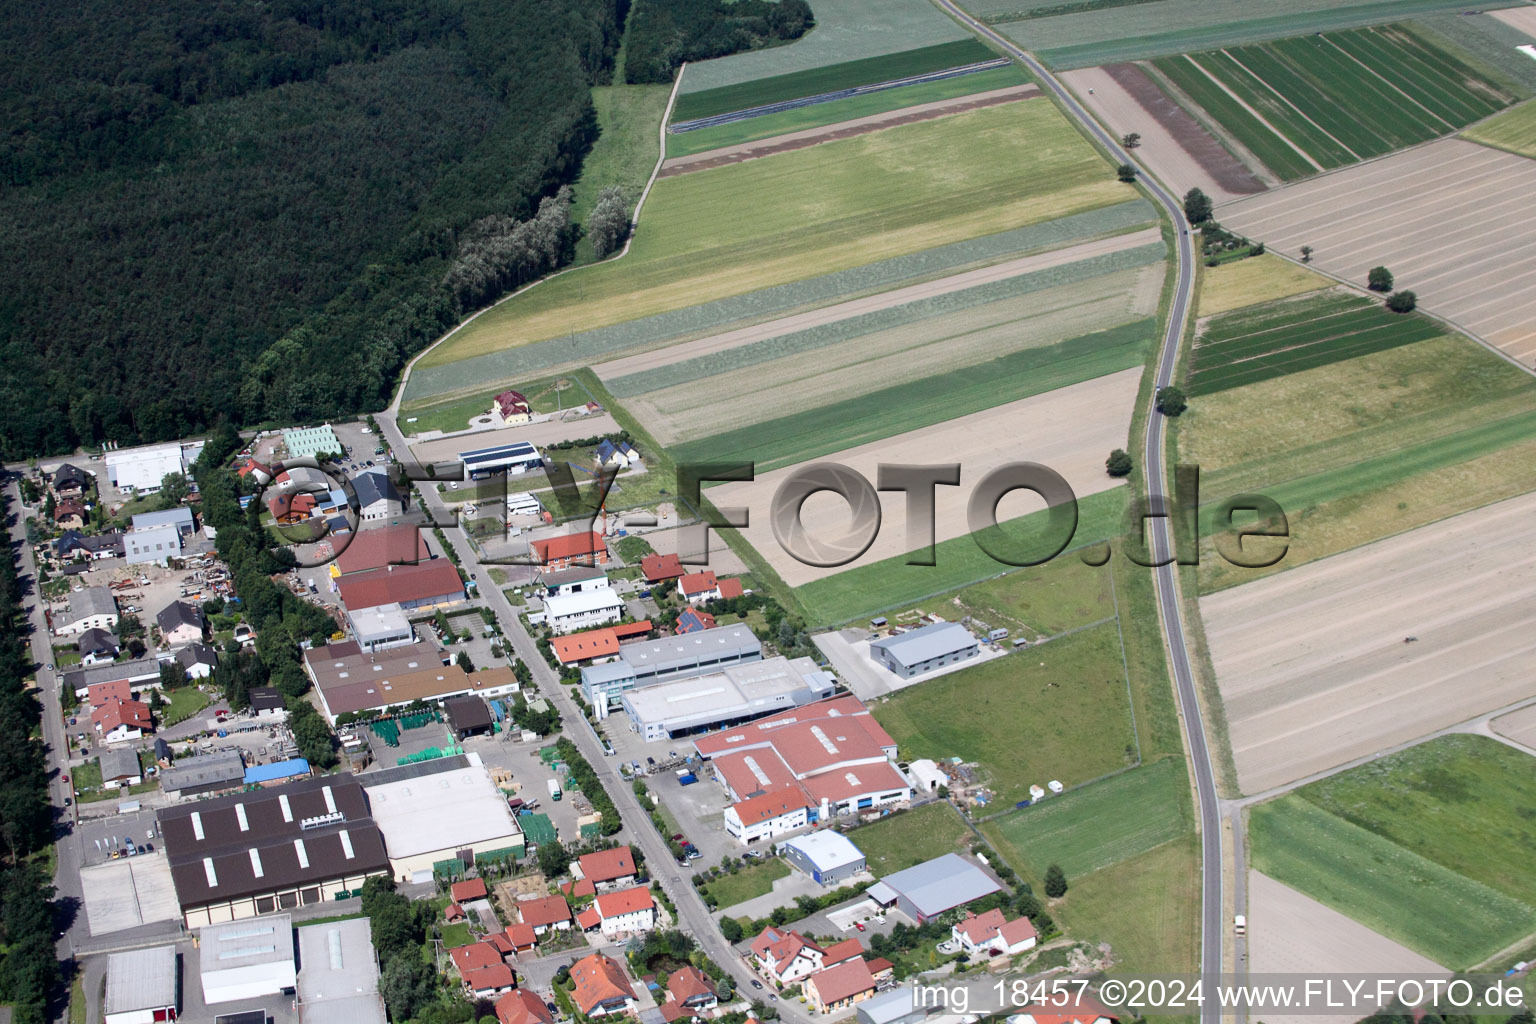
x=587, y=781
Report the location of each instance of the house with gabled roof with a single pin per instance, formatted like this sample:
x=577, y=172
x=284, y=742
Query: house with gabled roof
x=839, y=987
x=613, y=868
x=785, y=956
x=992, y=934
x=601, y=988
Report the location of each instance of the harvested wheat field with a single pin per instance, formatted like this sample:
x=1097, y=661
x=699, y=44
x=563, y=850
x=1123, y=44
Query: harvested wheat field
x=1175, y=146
x=1452, y=220
x=1069, y=429
x=1312, y=664
x=1291, y=933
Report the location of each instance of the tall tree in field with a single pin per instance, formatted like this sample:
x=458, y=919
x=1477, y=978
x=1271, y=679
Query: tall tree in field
x=1380, y=279
x=1402, y=302
x=1197, y=206
x=1055, y=882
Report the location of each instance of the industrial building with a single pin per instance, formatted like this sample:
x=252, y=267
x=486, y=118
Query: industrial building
x=739, y=693
x=583, y=609
x=669, y=657
x=237, y=856
x=380, y=627
x=143, y=987
x=142, y=470
x=468, y=715
x=218, y=772
x=932, y=887
x=827, y=856
x=377, y=547
x=246, y=959
x=916, y=651
x=347, y=678
x=136, y=674
x=311, y=442
x=89, y=608
x=339, y=974
x=430, y=584
x=153, y=545
x=438, y=818
x=513, y=457
x=574, y=580
x=180, y=517
x=804, y=766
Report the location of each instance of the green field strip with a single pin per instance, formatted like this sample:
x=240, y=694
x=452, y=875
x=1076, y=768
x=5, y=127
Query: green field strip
x=1295, y=101
x=1269, y=147
x=815, y=81
x=1448, y=917
x=593, y=346
x=1298, y=358
x=1409, y=70
x=823, y=335
x=811, y=433
x=1136, y=38
x=891, y=584
x=1490, y=39
x=1376, y=110
x=818, y=115
x=1364, y=475
x=1237, y=347
x=1103, y=823
x=1456, y=72
x=1461, y=801
x=1513, y=132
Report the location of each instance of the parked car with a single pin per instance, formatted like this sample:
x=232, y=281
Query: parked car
x=65, y=778
x=859, y=925
x=678, y=838
x=650, y=762
x=756, y=983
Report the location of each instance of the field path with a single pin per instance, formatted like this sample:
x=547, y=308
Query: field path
x=672, y=354
x=842, y=130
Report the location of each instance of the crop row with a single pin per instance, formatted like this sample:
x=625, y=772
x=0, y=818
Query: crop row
x=822, y=335
x=1271, y=150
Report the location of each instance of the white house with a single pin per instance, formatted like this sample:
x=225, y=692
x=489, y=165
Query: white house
x=626, y=912
x=197, y=660
x=699, y=587
x=180, y=623
x=568, y=613
x=991, y=934
x=377, y=497
x=769, y=815
x=90, y=608
x=785, y=956
x=154, y=544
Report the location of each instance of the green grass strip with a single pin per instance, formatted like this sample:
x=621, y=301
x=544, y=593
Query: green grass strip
x=891, y=583
x=814, y=82
x=1270, y=148
x=811, y=433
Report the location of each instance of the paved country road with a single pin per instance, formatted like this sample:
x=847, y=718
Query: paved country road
x=1211, y=915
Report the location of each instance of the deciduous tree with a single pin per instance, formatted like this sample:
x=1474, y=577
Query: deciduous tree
x=1380, y=279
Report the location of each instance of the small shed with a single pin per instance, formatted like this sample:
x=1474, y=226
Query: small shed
x=468, y=715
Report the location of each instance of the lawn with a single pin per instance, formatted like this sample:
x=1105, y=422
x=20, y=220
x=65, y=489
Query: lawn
x=66, y=656
x=910, y=837
x=836, y=111
x=455, y=935
x=1057, y=711
x=748, y=883
x=1342, y=96
x=1392, y=889
x=1514, y=130
x=182, y=704
x=1089, y=829
x=1465, y=802
x=549, y=394
x=1146, y=907
x=1251, y=281
x=628, y=144
x=892, y=584
x=1036, y=602
x=1277, y=338
x=815, y=211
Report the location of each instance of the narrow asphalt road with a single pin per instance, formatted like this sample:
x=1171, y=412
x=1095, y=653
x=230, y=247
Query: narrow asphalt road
x=1159, y=529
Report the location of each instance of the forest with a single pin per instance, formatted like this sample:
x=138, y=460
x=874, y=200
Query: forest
x=664, y=35
x=252, y=210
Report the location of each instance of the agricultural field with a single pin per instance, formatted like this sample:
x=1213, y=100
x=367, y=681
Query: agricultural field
x=820, y=210
x=1313, y=665
x=892, y=584
x=1513, y=131
x=1145, y=907
x=1452, y=220
x=1391, y=889
x=832, y=112
x=1289, y=932
x=1462, y=801
x=911, y=837
x=1036, y=602
x=1317, y=102
x=1106, y=822
x=1277, y=338
x=1099, y=410
x=544, y=396
x=1491, y=35
x=1056, y=711
x=1250, y=281
x=1103, y=33
x=1174, y=146
x=918, y=341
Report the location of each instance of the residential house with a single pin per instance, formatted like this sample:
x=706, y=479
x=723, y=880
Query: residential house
x=689, y=993
x=607, y=869
x=120, y=767
x=1078, y=1009
x=784, y=956
x=693, y=620
x=602, y=988
x=991, y=934
x=267, y=703
x=258, y=471
x=468, y=890
x=544, y=913
x=523, y=1006
x=377, y=496
x=197, y=660
x=625, y=912
x=516, y=938
x=839, y=987
x=510, y=409
x=570, y=549
x=698, y=587
x=615, y=454
x=289, y=507
x=93, y=547
x=483, y=969
x=69, y=514
x=180, y=623
x=70, y=481
x=89, y=608
x=769, y=814
x=120, y=720
x=660, y=568
x=97, y=646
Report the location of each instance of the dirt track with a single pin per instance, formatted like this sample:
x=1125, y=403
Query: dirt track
x=1173, y=144
x=1452, y=220
x=1068, y=429
x=842, y=130
x=1312, y=664
x=1291, y=933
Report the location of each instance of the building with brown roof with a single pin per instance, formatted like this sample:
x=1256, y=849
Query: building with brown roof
x=626, y=911
x=523, y=1006
x=607, y=868
x=570, y=549
x=601, y=986
x=991, y=934
x=544, y=913
x=511, y=408
x=469, y=889
x=785, y=956
x=656, y=568
x=119, y=720
x=838, y=987
x=347, y=678
x=430, y=584
x=381, y=546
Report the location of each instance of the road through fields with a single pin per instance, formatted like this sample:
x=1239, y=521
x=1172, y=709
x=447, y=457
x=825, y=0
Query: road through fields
x=1166, y=576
